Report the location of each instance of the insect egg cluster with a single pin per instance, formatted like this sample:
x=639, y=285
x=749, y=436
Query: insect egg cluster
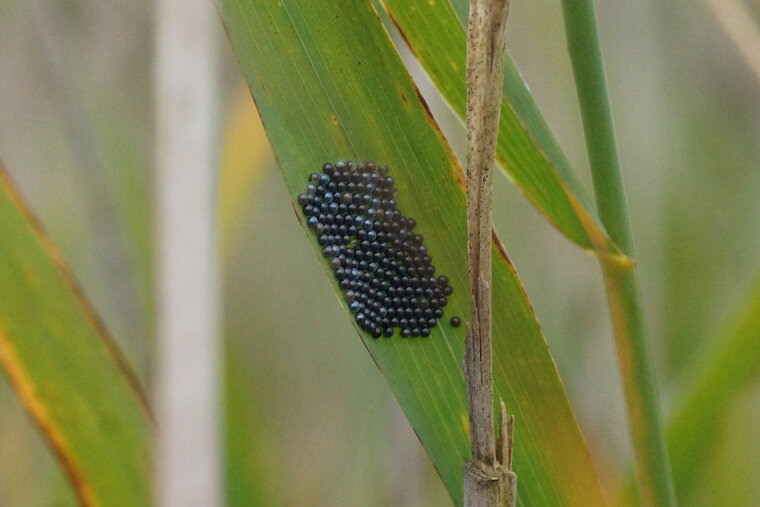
x=382, y=266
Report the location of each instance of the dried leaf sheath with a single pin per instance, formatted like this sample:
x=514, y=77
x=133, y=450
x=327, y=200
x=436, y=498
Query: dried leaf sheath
x=485, y=64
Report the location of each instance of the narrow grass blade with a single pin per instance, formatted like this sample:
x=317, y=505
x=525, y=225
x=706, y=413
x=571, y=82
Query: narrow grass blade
x=732, y=364
x=66, y=369
x=722, y=373
x=526, y=152
x=329, y=84
x=243, y=478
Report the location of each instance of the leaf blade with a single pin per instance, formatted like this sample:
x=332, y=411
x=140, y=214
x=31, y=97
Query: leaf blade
x=329, y=84
x=722, y=373
x=69, y=374
x=527, y=152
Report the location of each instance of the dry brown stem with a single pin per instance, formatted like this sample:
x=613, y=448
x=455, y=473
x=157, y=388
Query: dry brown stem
x=488, y=479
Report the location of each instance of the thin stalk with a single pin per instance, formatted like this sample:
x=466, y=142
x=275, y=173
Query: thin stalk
x=639, y=385
x=187, y=451
x=488, y=479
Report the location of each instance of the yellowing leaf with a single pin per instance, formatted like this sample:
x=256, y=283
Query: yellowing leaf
x=66, y=369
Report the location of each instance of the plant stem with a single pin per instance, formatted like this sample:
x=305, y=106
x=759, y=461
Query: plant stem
x=187, y=451
x=487, y=482
x=653, y=469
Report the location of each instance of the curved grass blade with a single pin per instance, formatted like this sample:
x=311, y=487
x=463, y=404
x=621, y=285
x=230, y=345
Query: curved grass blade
x=64, y=366
x=329, y=84
x=526, y=150
x=723, y=373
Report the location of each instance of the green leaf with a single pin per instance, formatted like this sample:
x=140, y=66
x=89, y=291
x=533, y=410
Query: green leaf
x=526, y=150
x=729, y=475
x=722, y=373
x=65, y=367
x=243, y=477
x=329, y=84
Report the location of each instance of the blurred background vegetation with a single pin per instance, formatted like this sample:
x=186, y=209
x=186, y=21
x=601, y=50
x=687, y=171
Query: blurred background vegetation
x=76, y=131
